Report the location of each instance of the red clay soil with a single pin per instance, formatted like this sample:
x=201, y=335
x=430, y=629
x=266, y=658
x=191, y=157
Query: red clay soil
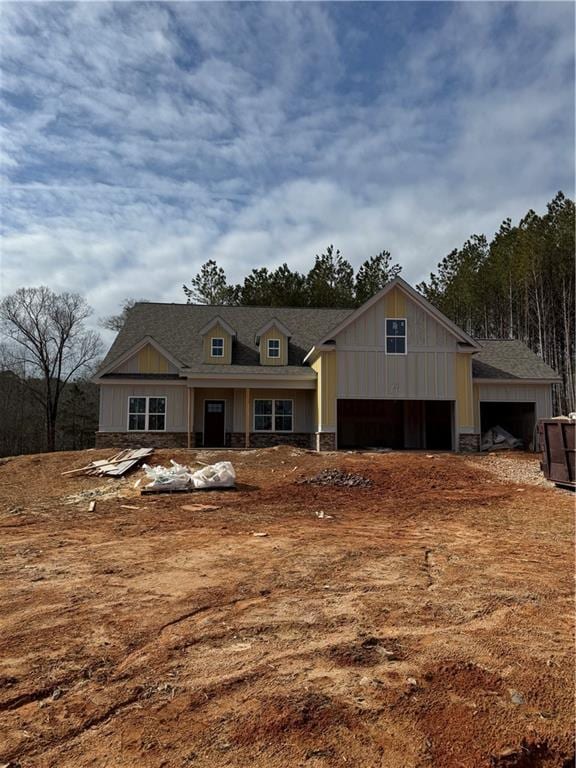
x=426, y=620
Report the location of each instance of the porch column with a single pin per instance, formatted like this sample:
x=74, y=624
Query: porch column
x=247, y=418
x=190, y=416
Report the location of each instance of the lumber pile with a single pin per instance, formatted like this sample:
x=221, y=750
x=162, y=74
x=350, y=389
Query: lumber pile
x=116, y=466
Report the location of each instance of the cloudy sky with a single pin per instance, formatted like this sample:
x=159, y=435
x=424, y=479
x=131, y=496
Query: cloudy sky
x=141, y=139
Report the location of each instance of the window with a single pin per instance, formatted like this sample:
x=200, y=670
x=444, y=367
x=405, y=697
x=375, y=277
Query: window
x=137, y=414
x=273, y=347
x=283, y=415
x=395, y=336
x=217, y=347
x=146, y=414
x=273, y=415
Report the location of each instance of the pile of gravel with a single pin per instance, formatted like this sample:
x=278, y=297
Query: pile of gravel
x=339, y=478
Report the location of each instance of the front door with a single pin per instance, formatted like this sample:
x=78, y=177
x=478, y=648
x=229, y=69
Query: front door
x=214, y=411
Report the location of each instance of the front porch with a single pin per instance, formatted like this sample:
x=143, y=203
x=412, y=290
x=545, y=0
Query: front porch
x=211, y=416
x=249, y=417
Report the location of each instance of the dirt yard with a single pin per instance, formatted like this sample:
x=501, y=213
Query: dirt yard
x=425, y=619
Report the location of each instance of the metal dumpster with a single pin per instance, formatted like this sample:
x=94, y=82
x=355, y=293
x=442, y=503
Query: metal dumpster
x=558, y=445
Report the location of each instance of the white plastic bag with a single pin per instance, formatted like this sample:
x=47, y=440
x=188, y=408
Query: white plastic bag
x=178, y=476
x=220, y=475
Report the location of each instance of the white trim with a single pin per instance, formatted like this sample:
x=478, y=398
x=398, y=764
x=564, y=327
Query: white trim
x=317, y=348
x=405, y=337
x=135, y=382
x=273, y=415
x=212, y=340
x=217, y=320
x=134, y=350
x=264, y=376
x=146, y=412
x=213, y=400
x=228, y=382
x=516, y=381
x=272, y=323
x=273, y=357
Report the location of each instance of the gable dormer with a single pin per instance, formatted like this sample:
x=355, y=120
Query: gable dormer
x=273, y=339
x=217, y=339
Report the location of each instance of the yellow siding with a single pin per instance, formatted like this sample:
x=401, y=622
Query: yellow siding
x=325, y=367
x=464, y=394
x=273, y=333
x=395, y=303
x=476, y=406
x=151, y=361
x=217, y=332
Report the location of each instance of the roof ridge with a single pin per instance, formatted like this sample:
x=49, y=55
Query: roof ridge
x=238, y=306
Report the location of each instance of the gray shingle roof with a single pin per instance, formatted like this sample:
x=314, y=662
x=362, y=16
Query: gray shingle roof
x=508, y=359
x=176, y=328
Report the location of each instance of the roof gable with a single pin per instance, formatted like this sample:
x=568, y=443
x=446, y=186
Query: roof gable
x=112, y=362
x=217, y=320
x=273, y=323
x=403, y=286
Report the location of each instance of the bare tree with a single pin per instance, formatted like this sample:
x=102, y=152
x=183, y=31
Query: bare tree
x=116, y=322
x=50, y=339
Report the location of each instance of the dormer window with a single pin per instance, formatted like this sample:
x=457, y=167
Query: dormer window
x=273, y=347
x=217, y=347
x=395, y=336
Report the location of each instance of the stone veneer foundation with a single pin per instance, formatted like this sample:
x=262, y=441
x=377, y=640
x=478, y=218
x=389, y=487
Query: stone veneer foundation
x=180, y=440
x=469, y=443
x=142, y=440
x=325, y=441
x=270, y=439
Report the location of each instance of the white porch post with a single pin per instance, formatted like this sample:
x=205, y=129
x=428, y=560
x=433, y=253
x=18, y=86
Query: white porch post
x=190, y=416
x=247, y=418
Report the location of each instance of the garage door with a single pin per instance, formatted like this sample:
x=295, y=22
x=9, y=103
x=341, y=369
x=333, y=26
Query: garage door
x=397, y=424
x=517, y=418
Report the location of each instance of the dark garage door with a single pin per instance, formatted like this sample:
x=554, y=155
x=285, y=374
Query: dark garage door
x=398, y=424
x=517, y=418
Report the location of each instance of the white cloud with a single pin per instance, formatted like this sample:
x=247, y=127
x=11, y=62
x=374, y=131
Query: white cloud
x=141, y=140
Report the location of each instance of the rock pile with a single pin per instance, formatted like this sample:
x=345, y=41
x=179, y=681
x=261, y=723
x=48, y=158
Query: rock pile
x=338, y=478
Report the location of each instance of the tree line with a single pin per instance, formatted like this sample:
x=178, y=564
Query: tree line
x=519, y=285
x=330, y=282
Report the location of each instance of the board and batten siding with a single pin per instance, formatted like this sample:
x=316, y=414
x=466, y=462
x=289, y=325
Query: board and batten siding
x=273, y=333
x=426, y=372
x=114, y=404
x=217, y=332
x=326, y=391
x=540, y=394
x=146, y=360
x=464, y=394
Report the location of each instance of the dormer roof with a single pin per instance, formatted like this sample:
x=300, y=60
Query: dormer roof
x=272, y=323
x=217, y=320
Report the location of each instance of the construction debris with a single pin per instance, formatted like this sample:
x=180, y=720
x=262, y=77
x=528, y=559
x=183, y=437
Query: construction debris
x=498, y=439
x=115, y=466
x=199, y=507
x=178, y=478
x=338, y=478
